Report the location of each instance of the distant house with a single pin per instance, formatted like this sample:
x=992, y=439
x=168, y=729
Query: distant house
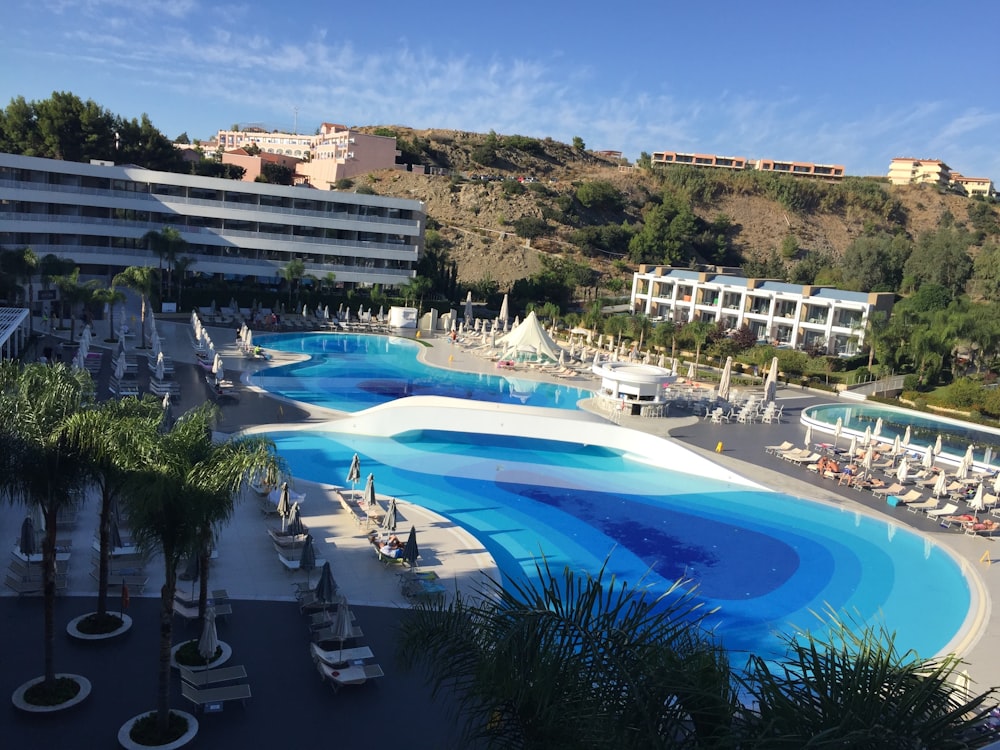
x=909, y=171
x=254, y=165
x=973, y=186
x=793, y=168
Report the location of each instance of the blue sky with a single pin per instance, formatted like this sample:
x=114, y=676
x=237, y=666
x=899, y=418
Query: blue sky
x=851, y=82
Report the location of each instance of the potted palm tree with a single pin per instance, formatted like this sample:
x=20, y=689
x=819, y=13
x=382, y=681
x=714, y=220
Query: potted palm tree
x=105, y=436
x=185, y=482
x=40, y=467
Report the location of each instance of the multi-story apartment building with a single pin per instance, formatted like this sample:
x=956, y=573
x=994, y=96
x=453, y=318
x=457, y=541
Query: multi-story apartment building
x=794, y=168
x=908, y=171
x=699, y=160
x=801, y=168
x=973, y=186
x=779, y=313
x=97, y=215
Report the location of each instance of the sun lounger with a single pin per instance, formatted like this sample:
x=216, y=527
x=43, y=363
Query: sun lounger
x=294, y=564
x=947, y=510
x=191, y=613
x=981, y=528
x=337, y=656
x=893, y=489
x=353, y=674
x=913, y=496
x=220, y=695
x=928, y=505
x=135, y=582
x=811, y=458
x=202, y=677
x=783, y=448
x=284, y=541
x=327, y=635
x=26, y=586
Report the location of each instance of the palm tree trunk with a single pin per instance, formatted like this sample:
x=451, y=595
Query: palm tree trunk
x=204, y=556
x=166, y=643
x=49, y=589
x=142, y=322
x=104, y=543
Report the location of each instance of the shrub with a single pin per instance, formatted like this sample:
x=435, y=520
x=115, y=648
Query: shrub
x=911, y=382
x=530, y=227
x=512, y=187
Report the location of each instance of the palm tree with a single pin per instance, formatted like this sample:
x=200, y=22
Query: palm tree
x=106, y=437
x=640, y=327
x=109, y=297
x=853, y=688
x=38, y=466
x=168, y=244
x=182, y=265
x=576, y=661
x=698, y=332
x=76, y=294
x=187, y=483
x=143, y=280
x=292, y=272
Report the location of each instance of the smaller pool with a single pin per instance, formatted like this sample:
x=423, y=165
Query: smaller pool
x=924, y=428
x=351, y=372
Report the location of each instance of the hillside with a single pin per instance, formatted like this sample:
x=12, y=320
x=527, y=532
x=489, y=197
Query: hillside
x=475, y=216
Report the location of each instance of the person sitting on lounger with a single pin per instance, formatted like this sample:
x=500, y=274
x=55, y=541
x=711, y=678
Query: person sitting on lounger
x=984, y=525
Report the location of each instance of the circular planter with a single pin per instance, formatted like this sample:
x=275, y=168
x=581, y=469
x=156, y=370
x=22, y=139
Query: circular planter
x=227, y=652
x=126, y=741
x=74, y=632
x=18, y=697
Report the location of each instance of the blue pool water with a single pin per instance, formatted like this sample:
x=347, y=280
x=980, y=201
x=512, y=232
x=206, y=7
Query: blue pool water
x=766, y=560
x=924, y=428
x=351, y=372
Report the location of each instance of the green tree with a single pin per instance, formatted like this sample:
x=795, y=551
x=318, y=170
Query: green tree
x=986, y=272
x=142, y=279
x=108, y=298
x=181, y=266
x=183, y=139
x=76, y=295
x=276, y=174
x=616, y=326
x=292, y=272
x=105, y=437
x=698, y=333
x=940, y=257
x=168, y=244
x=599, y=195
x=38, y=466
x=578, y=143
x=575, y=662
x=640, y=327
x=789, y=247
x=188, y=481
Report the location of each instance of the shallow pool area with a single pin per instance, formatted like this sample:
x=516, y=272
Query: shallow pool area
x=350, y=372
x=767, y=560
x=924, y=429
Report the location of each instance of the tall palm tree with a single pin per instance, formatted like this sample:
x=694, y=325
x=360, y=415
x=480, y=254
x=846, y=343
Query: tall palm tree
x=168, y=244
x=142, y=279
x=109, y=297
x=76, y=294
x=576, y=661
x=181, y=266
x=106, y=437
x=292, y=272
x=186, y=483
x=38, y=465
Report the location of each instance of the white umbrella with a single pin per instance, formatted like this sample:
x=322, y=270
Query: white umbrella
x=120, y=367
x=976, y=503
x=354, y=473
x=996, y=484
x=562, y=357
x=158, y=371
x=941, y=485
x=691, y=372
x=853, y=449
x=220, y=373
x=837, y=429
x=368, y=499
x=968, y=458
x=928, y=459
x=962, y=471
x=903, y=471
x=988, y=456
x=208, y=644
x=217, y=363
x=906, y=437
x=868, y=435
x=937, y=446
x=771, y=384
x=809, y=436
x=468, y=307
x=866, y=463
x=878, y=427
x=504, y=310
x=897, y=446
x=725, y=378
x=305, y=311
x=662, y=361
x=326, y=312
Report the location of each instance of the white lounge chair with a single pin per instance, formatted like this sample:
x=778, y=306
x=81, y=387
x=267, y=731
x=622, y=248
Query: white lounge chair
x=354, y=674
x=927, y=505
x=947, y=510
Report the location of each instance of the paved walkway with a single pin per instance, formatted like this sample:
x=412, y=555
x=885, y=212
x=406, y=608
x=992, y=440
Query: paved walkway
x=267, y=632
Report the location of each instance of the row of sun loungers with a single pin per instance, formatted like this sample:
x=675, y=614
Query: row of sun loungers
x=195, y=687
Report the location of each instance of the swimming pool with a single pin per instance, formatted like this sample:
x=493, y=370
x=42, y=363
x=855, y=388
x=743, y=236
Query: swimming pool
x=766, y=560
x=924, y=428
x=353, y=371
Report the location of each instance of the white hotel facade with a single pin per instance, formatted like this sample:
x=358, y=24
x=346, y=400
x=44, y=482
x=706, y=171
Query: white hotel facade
x=779, y=313
x=97, y=214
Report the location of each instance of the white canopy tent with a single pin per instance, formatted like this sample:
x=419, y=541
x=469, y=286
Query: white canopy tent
x=530, y=335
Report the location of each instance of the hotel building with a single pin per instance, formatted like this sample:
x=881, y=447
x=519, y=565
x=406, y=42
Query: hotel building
x=973, y=186
x=97, y=215
x=778, y=313
x=907, y=171
x=793, y=168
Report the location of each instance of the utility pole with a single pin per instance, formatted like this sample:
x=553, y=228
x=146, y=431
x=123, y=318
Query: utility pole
x=295, y=126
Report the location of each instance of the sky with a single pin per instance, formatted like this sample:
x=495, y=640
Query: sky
x=852, y=83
